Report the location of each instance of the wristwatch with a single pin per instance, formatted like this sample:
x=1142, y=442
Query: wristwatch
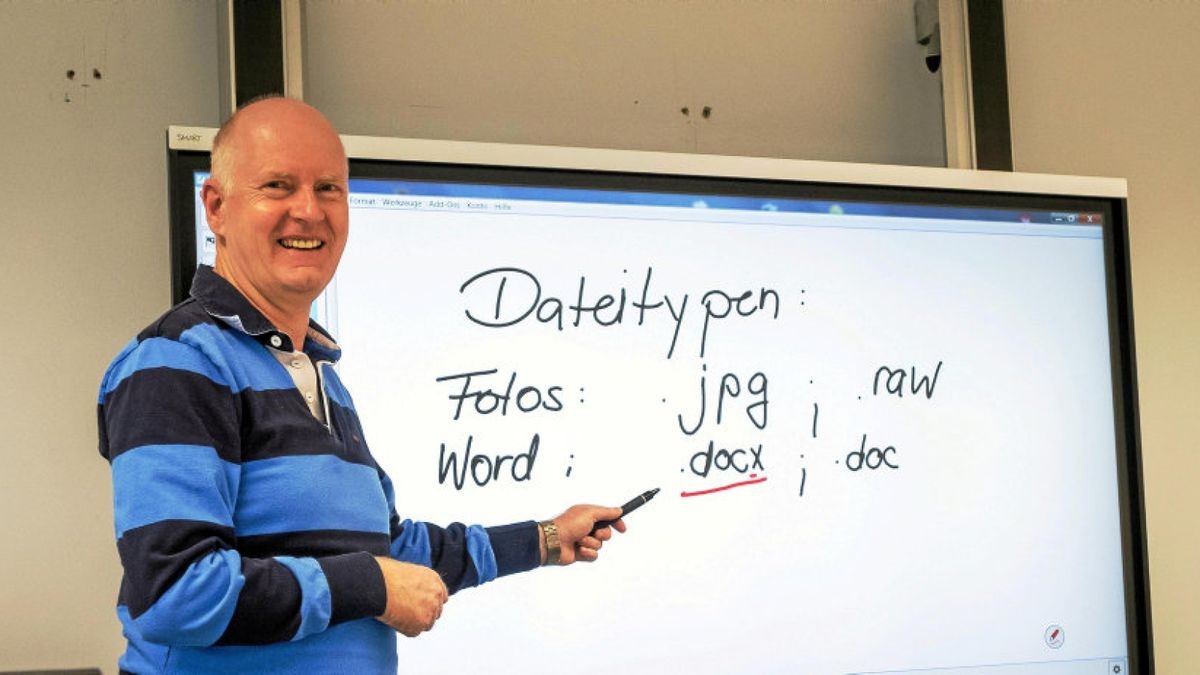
x=553, y=548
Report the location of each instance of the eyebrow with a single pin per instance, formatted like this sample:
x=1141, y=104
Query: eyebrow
x=334, y=178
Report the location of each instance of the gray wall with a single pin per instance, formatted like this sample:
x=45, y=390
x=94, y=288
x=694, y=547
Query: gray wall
x=83, y=216
x=1097, y=87
x=808, y=79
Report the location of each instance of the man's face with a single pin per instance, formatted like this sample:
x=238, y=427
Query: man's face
x=282, y=216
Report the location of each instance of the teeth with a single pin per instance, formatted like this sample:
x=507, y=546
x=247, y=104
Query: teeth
x=301, y=243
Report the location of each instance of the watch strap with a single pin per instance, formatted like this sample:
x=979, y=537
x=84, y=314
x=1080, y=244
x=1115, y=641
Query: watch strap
x=553, y=547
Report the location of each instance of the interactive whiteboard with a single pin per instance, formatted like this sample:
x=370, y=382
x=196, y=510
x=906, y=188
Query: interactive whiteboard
x=885, y=428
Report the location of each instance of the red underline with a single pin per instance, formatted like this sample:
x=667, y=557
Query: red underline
x=723, y=487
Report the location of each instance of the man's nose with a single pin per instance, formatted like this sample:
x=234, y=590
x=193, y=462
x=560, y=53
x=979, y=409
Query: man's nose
x=305, y=205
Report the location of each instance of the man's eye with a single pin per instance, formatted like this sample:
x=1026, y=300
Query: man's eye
x=276, y=185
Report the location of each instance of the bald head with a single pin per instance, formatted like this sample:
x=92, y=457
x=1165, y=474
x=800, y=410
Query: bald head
x=274, y=119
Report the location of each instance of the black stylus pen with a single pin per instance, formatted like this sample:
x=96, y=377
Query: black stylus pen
x=629, y=507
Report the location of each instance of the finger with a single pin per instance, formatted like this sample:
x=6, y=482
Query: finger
x=619, y=525
x=591, y=542
x=588, y=553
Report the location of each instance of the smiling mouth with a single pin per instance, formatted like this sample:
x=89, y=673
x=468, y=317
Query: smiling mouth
x=302, y=244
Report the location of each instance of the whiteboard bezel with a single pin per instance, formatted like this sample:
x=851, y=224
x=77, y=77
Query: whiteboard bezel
x=680, y=164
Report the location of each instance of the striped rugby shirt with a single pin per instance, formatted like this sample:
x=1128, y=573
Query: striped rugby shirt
x=246, y=526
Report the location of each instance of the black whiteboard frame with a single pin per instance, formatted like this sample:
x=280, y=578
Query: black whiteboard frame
x=184, y=161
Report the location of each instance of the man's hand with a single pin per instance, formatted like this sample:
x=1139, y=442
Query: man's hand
x=415, y=595
x=575, y=532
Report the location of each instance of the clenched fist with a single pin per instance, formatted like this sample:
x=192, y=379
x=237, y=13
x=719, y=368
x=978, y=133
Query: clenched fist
x=415, y=595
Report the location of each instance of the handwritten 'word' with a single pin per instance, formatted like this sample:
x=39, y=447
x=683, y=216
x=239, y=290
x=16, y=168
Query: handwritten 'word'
x=483, y=469
x=505, y=296
x=487, y=401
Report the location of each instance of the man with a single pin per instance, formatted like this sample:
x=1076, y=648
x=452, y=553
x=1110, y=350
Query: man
x=256, y=530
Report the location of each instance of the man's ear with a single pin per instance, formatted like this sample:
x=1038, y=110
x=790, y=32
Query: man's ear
x=214, y=206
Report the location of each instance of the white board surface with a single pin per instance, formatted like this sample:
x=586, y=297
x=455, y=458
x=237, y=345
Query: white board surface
x=913, y=459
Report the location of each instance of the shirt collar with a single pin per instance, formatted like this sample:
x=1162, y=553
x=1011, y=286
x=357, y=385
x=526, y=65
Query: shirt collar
x=224, y=302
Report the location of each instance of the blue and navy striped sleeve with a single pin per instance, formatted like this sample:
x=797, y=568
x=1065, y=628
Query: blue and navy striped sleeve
x=464, y=555
x=171, y=426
